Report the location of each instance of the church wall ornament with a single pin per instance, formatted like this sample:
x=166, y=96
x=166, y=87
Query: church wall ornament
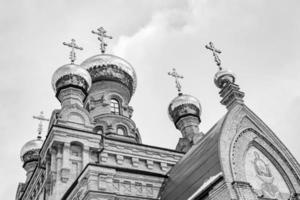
x=238, y=119
x=253, y=160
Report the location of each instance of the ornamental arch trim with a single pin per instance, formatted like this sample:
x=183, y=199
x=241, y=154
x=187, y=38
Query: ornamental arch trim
x=249, y=138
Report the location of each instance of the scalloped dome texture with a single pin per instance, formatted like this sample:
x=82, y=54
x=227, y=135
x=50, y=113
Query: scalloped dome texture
x=111, y=60
x=71, y=69
x=184, y=100
x=31, y=145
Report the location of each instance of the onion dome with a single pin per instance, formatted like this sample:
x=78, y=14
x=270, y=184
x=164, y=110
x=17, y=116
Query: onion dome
x=184, y=105
x=30, y=151
x=112, y=68
x=224, y=77
x=71, y=75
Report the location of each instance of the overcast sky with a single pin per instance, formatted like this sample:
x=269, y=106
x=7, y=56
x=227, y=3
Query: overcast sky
x=259, y=39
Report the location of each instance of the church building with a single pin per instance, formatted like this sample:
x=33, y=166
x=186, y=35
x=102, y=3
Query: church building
x=93, y=149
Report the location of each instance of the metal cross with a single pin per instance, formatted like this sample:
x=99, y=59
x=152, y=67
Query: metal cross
x=41, y=118
x=73, y=46
x=176, y=76
x=101, y=32
x=216, y=53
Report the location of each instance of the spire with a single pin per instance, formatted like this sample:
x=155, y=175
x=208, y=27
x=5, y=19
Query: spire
x=41, y=118
x=101, y=33
x=73, y=46
x=175, y=75
x=225, y=80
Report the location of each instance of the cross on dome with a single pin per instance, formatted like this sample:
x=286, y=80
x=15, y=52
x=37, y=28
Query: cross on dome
x=73, y=46
x=101, y=32
x=175, y=75
x=41, y=118
x=216, y=53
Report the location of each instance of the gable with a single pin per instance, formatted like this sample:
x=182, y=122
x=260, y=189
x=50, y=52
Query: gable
x=248, y=148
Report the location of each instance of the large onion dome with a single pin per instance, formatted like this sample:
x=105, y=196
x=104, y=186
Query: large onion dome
x=224, y=77
x=184, y=105
x=71, y=75
x=112, y=68
x=30, y=151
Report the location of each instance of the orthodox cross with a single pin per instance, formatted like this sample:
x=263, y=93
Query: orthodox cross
x=101, y=32
x=176, y=76
x=41, y=118
x=73, y=46
x=216, y=53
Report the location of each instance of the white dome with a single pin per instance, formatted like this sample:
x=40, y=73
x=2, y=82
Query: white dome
x=108, y=60
x=223, y=77
x=31, y=145
x=184, y=100
x=71, y=69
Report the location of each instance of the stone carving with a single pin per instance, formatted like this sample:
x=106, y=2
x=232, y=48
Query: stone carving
x=264, y=177
x=111, y=72
x=72, y=79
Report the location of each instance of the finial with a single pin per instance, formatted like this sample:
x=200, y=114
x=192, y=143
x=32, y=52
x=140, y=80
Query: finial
x=101, y=32
x=176, y=76
x=41, y=118
x=216, y=53
x=73, y=46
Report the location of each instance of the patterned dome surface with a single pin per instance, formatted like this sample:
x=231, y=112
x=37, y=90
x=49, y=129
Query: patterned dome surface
x=71, y=69
x=183, y=100
x=31, y=145
x=111, y=60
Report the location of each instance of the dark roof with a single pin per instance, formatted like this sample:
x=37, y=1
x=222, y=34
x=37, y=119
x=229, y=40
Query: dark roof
x=196, y=166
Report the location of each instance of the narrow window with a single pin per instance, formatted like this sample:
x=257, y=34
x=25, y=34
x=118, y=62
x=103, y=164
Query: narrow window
x=114, y=106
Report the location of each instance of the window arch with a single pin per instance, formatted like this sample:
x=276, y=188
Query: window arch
x=114, y=106
x=98, y=130
x=121, y=130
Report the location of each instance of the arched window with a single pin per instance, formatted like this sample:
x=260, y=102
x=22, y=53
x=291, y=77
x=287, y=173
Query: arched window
x=114, y=106
x=121, y=130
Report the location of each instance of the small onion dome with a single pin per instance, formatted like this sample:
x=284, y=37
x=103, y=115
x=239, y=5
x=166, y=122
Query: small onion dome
x=184, y=105
x=30, y=151
x=111, y=67
x=224, y=77
x=71, y=74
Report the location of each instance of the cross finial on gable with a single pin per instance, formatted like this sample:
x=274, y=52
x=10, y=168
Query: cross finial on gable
x=216, y=53
x=73, y=46
x=176, y=76
x=101, y=32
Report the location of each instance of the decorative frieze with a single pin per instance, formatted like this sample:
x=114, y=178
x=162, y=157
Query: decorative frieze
x=135, y=162
x=120, y=159
x=150, y=164
x=164, y=166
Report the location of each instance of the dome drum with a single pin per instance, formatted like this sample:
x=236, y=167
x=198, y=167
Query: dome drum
x=71, y=80
x=112, y=73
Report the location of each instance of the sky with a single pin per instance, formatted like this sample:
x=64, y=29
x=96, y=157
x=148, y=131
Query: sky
x=259, y=40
